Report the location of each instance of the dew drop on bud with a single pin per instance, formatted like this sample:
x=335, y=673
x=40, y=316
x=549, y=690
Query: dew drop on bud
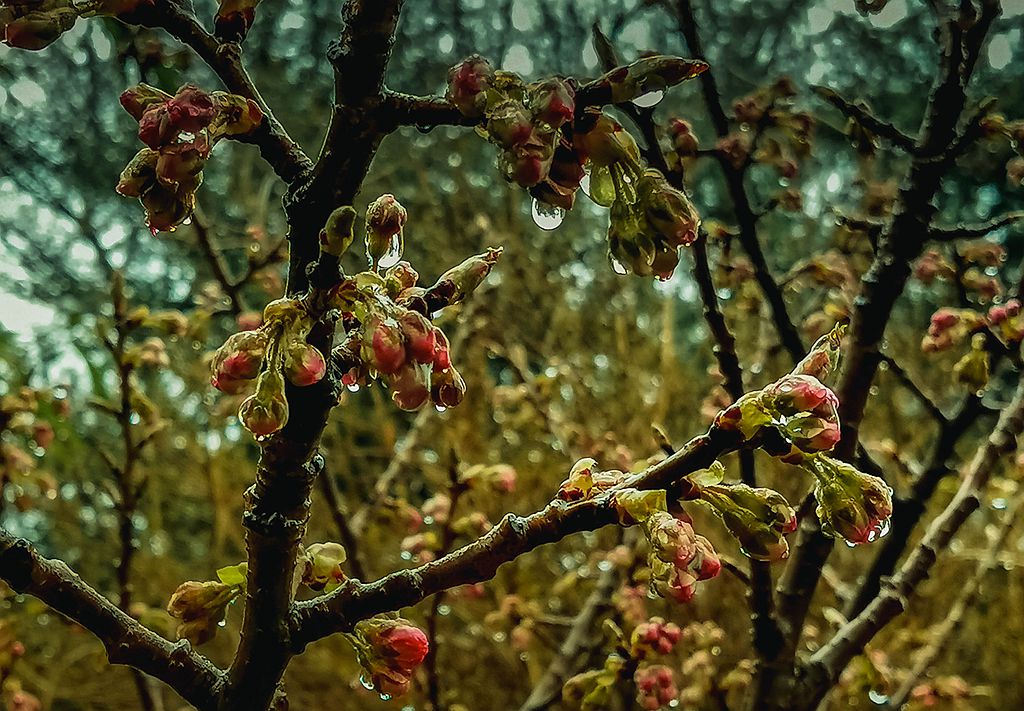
x=222, y=623
x=585, y=183
x=440, y=408
x=651, y=98
x=394, y=254
x=385, y=697
x=617, y=266
x=367, y=684
x=353, y=388
x=187, y=221
x=547, y=217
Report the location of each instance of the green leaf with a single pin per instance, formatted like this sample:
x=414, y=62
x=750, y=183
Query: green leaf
x=710, y=476
x=636, y=505
x=234, y=575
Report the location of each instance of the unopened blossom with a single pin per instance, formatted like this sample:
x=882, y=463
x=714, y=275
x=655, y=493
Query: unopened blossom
x=656, y=687
x=303, y=364
x=322, y=566
x=655, y=636
x=385, y=220
x=391, y=650
x=199, y=608
x=757, y=517
x=851, y=504
x=447, y=388
x=265, y=411
x=467, y=82
x=238, y=361
x=467, y=276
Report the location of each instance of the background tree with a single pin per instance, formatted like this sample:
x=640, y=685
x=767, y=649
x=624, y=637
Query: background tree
x=818, y=208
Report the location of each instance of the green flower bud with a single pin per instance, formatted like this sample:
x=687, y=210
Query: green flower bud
x=266, y=411
x=470, y=274
x=851, y=504
x=338, y=233
x=758, y=518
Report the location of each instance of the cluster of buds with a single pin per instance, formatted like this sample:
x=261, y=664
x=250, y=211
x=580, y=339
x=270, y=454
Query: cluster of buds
x=234, y=18
x=269, y=354
x=949, y=327
x=655, y=687
x=851, y=504
x=1007, y=321
x=321, y=566
x=179, y=131
x=523, y=120
x=679, y=558
x=798, y=406
x=200, y=607
x=36, y=24
x=655, y=636
x=389, y=651
x=548, y=145
x=758, y=518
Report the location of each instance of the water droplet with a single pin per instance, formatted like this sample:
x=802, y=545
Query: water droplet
x=440, y=408
x=385, y=697
x=222, y=623
x=651, y=98
x=546, y=217
x=851, y=544
x=585, y=184
x=617, y=266
x=394, y=254
x=877, y=697
x=884, y=527
x=999, y=504
x=444, y=610
x=354, y=387
x=367, y=684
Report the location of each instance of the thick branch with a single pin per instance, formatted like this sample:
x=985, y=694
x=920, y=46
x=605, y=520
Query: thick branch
x=478, y=561
x=126, y=641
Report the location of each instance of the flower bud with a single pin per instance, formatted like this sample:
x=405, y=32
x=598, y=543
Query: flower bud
x=447, y=388
x=552, y=101
x=322, y=569
x=683, y=138
x=36, y=30
x=605, y=142
x=234, y=18
x=470, y=274
x=655, y=686
x=199, y=607
x=410, y=386
x=851, y=504
x=758, y=518
x=442, y=351
x=509, y=124
x=654, y=636
x=467, y=82
x=385, y=219
x=139, y=175
x=266, y=411
x=973, y=369
x=390, y=651
x=238, y=360
x=419, y=336
x=403, y=275
x=338, y=234
x=668, y=211
x=138, y=99
x=303, y=364
x=387, y=352
x=823, y=357
x=647, y=74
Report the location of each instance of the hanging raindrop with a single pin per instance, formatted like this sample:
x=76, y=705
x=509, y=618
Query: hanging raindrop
x=585, y=183
x=617, y=266
x=394, y=254
x=651, y=98
x=547, y=217
x=367, y=684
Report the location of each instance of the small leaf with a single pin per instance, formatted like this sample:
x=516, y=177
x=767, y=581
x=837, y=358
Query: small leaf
x=710, y=476
x=234, y=575
x=636, y=505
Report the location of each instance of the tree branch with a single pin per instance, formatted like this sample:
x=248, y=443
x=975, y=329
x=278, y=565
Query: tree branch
x=478, y=561
x=859, y=112
x=279, y=150
x=965, y=231
x=828, y=662
x=126, y=641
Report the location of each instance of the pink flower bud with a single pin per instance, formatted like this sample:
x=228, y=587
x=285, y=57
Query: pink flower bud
x=802, y=393
x=552, y=101
x=141, y=97
x=266, y=411
x=467, y=82
x=442, y=351
x=42, y=433
x=303, y=364
x=393, y=651
x=234, y=18
x=403, y=274
x=509, y=124
x=419, y=336
x=656, y=687
x=238, y=360
x=468, y=275
x=409, y=386
x=387, y=353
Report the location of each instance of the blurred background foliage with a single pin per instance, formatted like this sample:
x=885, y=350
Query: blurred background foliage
x=563, y=357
